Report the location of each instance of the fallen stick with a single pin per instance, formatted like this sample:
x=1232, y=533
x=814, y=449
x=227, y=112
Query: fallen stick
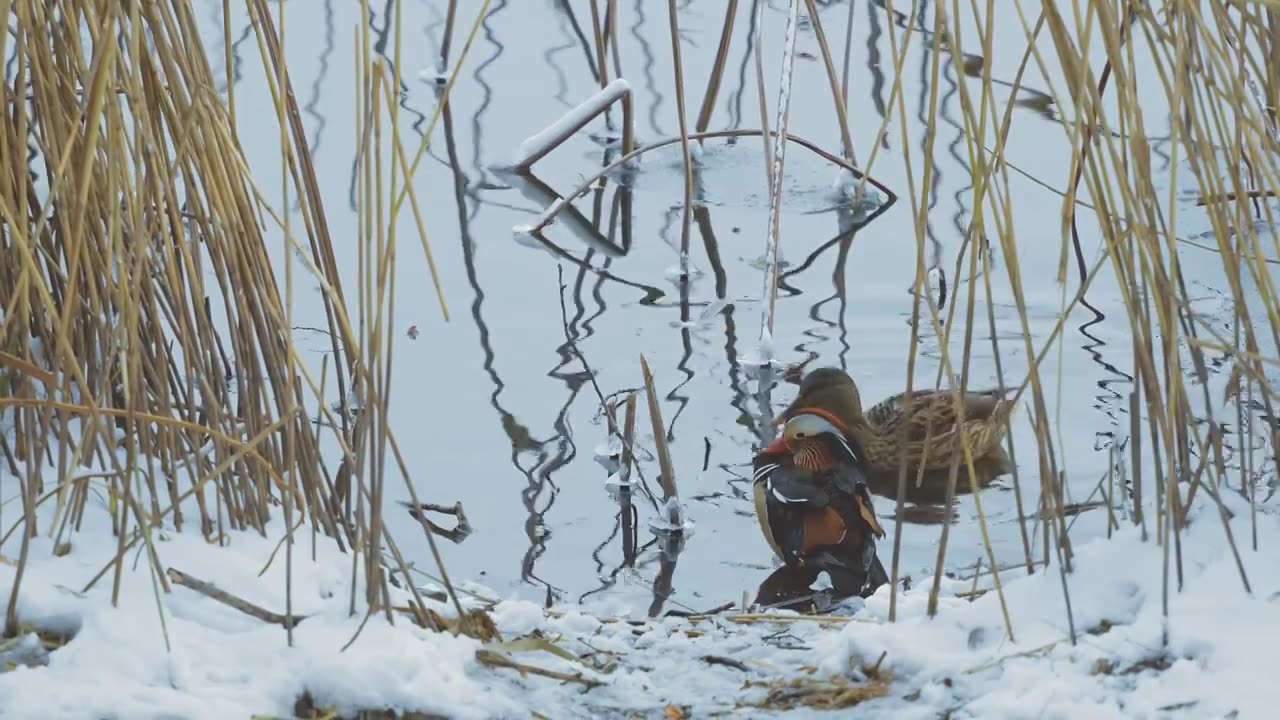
x=212, y=592
x=495, y=659
x=708, y=613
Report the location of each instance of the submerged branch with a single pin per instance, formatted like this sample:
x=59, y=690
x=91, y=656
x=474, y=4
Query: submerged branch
x=459, y=532
x=556, y=209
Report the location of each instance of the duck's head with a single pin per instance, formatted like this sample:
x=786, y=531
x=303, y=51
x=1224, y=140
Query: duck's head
x=829, y=389
x=813, y=430
x=816, y=439
x=827, y=378
x=809, y=425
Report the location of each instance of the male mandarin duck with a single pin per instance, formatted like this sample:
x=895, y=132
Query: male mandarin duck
x=879, y=430
x=814, y=509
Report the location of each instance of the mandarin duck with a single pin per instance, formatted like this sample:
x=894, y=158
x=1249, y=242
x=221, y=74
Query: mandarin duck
x=814, y=508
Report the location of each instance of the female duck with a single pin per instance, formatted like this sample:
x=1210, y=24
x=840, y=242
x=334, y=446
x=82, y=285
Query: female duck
x=932, y=434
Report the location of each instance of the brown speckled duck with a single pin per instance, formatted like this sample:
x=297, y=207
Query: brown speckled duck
x=932, y=415
x=815, y=511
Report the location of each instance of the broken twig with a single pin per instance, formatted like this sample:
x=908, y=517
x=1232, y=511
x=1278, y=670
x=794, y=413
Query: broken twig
x=212, y=592
x=456, y=535
x=496, y=659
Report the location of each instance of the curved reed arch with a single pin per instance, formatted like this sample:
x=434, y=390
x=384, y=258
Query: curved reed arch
x=556, y=209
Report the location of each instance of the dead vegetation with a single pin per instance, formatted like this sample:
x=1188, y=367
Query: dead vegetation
x=146, y=346
x=148, y=355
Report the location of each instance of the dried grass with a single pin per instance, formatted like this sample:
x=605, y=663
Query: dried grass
x=147, y=345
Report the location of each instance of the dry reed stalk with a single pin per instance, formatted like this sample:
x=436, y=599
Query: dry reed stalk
x=839, y=93
x=291, y=407
x=451, y=17
x=611, y=21
x=629, y=516
x=762, y=97
x=900, y=511
x=601, y=46
x=213, y=592
x=148, y=178
x=717, y=70
x=977, y=230
x=1206, y=47
x=668, y=478
x=686, y=217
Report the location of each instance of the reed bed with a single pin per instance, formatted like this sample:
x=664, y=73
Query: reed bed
x=1212, y=61
x=146, y=351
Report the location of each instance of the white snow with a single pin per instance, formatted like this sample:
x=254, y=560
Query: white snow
x=438, y=75
x=1220, y=638
x=845, y=186
x=1220, y=656
x=696, y=150
x=616, y=481
x=538, y=145
x=222, y=663
x=685, y=269
x=611, y=447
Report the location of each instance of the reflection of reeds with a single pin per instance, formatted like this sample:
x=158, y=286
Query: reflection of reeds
x=629, y=515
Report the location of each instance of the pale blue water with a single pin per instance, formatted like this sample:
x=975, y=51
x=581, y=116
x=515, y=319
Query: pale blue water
x=493, y=410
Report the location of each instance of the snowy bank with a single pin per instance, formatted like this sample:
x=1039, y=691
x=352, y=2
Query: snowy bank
x=221, y=663
x=1219, y=655
x=610, y=661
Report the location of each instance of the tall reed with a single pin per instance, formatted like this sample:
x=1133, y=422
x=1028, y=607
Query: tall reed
x=147, y=346
x=1208, y=61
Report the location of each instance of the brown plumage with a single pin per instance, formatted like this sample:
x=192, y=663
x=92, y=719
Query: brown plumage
x=932, y=436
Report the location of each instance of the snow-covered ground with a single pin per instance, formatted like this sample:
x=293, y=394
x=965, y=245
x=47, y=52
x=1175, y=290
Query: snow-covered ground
x=221, y=663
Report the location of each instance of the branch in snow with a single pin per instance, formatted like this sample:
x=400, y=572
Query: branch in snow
x=212, y=592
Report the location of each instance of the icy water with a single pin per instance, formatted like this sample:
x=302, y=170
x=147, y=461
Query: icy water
x=492, y=409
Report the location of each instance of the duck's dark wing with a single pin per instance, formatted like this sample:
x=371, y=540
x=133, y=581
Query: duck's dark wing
x=845, y=474
x=790, y=485
x=797, y=510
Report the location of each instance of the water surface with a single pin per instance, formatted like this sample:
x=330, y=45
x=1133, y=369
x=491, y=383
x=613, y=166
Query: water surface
x=492, y=408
